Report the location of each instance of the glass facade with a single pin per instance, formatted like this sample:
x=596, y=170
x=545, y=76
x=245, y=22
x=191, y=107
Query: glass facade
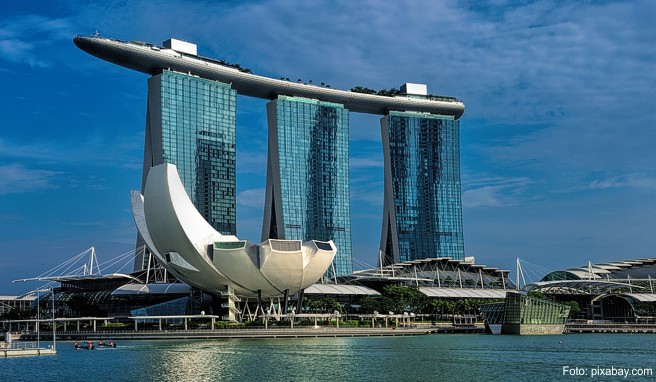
x=308, y=175
x=422, y=213
x=522, y=309
x=177, y=307
x=191, y=123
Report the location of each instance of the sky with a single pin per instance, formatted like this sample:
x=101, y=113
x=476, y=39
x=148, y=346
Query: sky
x=558, y=163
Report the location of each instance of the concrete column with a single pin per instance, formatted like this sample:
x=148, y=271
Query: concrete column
x=299, y=302
x=94, y=325
x=78, y=325
x=185, y=321
x=160, y=324
x=135, y=324
x=286, y=300
x=259, y=302
x=337, y=322
x=65, y=324
x=213, y=322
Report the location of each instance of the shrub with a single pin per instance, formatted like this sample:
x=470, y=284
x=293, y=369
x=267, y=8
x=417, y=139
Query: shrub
x=227, y=325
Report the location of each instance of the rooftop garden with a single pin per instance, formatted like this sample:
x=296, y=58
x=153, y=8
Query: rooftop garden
x=391, y=92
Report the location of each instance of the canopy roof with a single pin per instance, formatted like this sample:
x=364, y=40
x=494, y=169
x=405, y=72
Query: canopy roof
x=593, y=287
x=168, y=288
x=340, y=290
x=463, y=292
x=627, y=269
x=641, y=297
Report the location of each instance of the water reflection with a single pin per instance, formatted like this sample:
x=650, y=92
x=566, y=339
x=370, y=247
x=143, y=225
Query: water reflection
x=204, y=361
x=436, y=357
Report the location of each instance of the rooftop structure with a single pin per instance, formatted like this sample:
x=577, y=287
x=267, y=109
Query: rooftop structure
x=151, y=59
x=8, y=303
x=638, y=269
x=443, y=272
x=617, y=290
x=524, y=314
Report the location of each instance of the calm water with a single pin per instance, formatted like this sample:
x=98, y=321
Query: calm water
x=443, y=357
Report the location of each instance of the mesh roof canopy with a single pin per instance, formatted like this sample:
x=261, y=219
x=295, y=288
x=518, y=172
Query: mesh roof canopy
x=340, y=289
x=616, y=270
x=580, y=287
x=463, y=292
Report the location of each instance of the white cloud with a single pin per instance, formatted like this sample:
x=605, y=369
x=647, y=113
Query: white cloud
x=570, y=77
x=16, y=51
x=249, y=162
x=635, y=181
x=495, y=192
x=364, y=163
x=41, y=31
x=252, y=198
x=368, y=190
x=14, y=178
x=125, y=151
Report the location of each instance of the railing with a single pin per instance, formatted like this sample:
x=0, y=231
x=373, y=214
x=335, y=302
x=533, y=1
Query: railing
x=610, y=328
x=22, y=345
x=250, y=329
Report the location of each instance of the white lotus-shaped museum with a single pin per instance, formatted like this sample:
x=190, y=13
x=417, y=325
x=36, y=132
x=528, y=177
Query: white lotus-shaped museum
x=194, y=252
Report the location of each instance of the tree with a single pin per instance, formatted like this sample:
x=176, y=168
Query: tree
x=388, y=92
x=326, y=304
x=537, y=294
x=370, y=304
x=330, y=305
x=362, y=89
x=403, y=299
x=573, y=305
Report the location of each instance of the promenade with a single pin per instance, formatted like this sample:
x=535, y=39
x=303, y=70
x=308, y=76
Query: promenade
x=299, y=332
x=572, y=328
x=255, y=332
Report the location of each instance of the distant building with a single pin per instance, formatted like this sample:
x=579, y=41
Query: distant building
x=190, y=122
x=307, y=192
x=618, y=291
x=8, y=303
x=520, y=313
x=422, y=213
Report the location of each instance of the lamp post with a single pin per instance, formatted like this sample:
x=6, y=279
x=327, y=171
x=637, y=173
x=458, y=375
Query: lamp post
x=54, y=326
x=38, y=318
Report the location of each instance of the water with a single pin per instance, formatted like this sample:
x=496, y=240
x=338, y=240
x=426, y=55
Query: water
x=443, y=357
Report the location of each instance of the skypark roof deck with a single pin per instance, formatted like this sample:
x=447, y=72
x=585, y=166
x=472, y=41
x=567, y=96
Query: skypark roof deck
x=152, y=59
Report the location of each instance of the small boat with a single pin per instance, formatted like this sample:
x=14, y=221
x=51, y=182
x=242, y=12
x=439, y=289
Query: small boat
x=88, y=346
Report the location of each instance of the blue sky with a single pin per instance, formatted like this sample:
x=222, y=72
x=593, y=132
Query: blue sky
x=558, y=165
